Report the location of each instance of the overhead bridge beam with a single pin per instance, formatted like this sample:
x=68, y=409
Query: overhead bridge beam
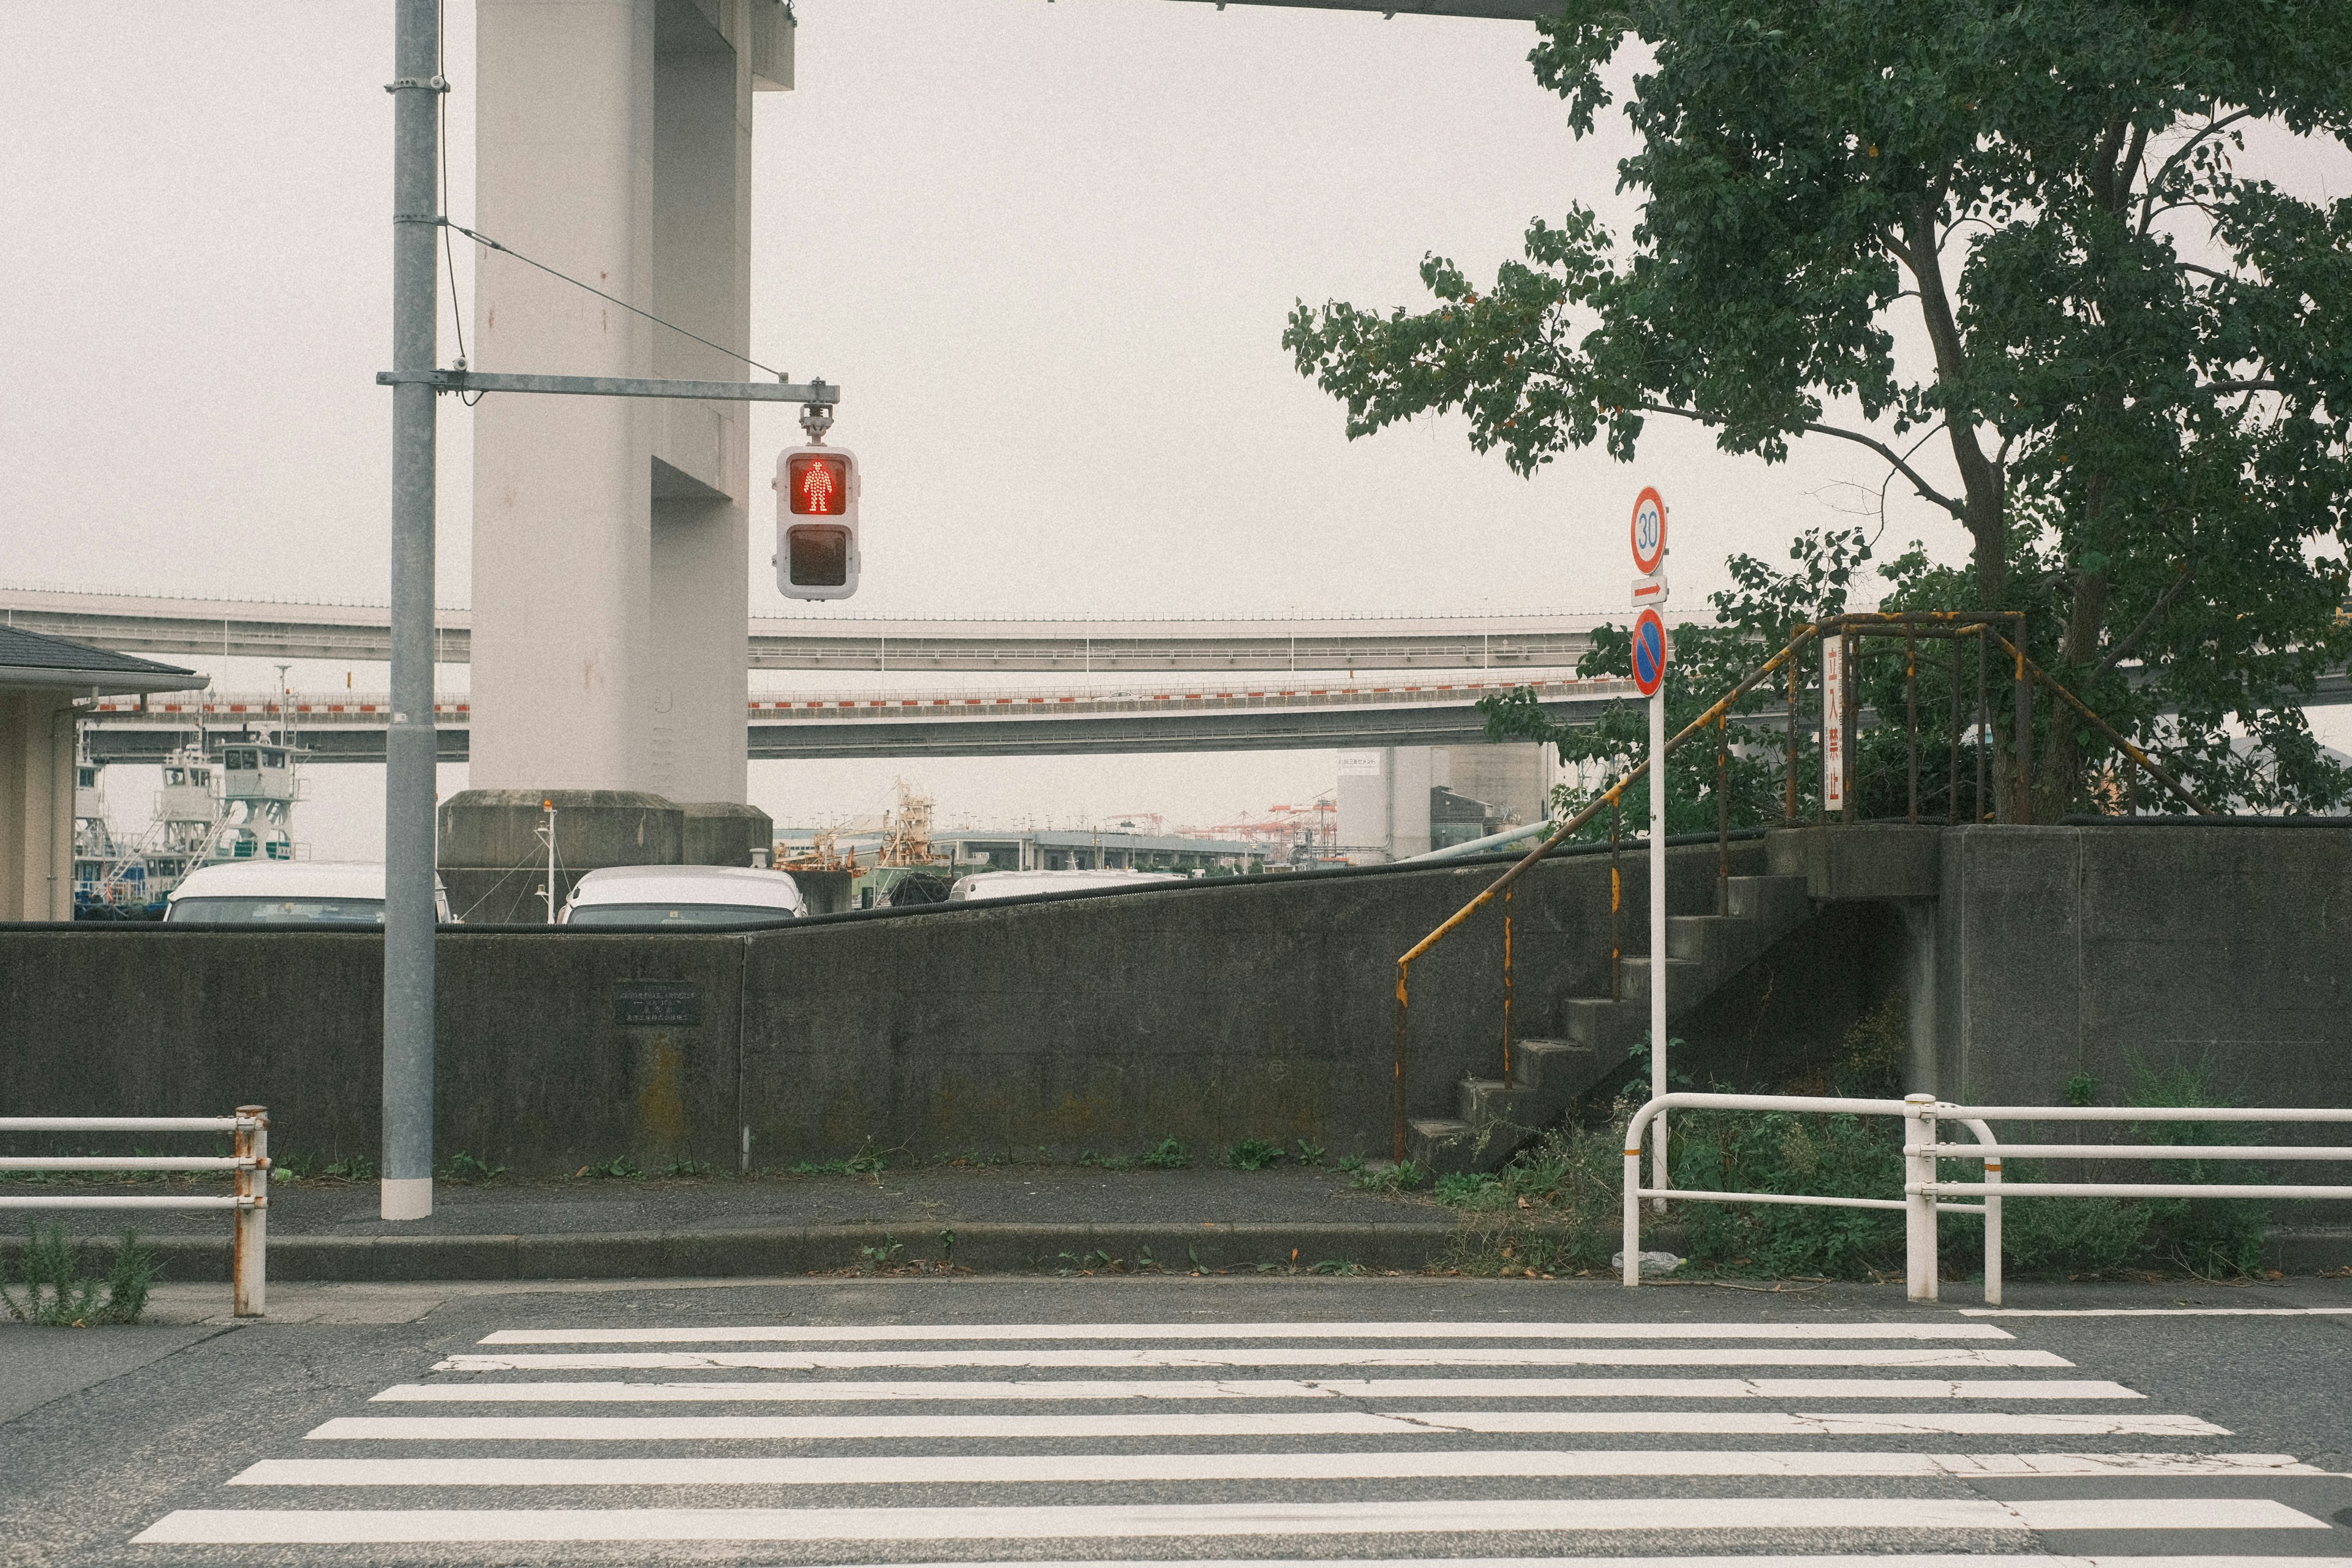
x=969, y=725
x=1483, y=10
x=357, y=633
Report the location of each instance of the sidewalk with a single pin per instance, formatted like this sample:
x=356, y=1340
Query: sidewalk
x=990, y=1219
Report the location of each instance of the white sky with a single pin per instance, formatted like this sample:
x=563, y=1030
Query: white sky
x=1048, y=248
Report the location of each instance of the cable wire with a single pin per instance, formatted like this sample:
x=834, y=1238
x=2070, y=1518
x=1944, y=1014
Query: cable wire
x=448, y=251
x=484, y=239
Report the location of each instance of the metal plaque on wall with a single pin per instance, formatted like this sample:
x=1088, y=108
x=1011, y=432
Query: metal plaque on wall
x=656, y=1004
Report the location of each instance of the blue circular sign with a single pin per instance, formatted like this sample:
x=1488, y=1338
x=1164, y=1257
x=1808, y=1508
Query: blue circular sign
x=1649, y=652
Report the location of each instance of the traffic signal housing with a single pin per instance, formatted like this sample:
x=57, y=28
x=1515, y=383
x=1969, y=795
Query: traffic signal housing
x=817, y=523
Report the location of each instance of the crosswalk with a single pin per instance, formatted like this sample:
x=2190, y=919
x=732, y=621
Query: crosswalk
x=1334, y=1443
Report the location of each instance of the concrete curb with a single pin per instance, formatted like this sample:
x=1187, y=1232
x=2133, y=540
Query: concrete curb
x=985, y=1248
x=989, y=1247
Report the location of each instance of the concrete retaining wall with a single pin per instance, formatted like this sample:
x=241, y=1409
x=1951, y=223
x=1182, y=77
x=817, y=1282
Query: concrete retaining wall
x=2099, y=949
x=1210, y=1012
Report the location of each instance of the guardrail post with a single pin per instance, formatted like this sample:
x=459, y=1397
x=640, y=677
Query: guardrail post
x=1631, y=1237
x=1918, y=1205
x=248, y=1247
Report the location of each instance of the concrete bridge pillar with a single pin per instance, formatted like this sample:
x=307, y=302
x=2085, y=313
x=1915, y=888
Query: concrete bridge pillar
x=611, y=544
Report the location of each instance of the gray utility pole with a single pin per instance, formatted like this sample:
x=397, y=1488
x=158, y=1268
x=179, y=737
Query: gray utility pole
x=411, y=788
x=411, y=750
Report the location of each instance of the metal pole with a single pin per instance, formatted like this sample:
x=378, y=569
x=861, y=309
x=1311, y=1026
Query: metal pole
x=1918, y=1207
x=2024, y=811
x=1616, y=900
x=410, y=749
x=1396, y=1084
x=1507, y=986
x=1984, y=719
x=1849, y=706
x=1788, y=808
x=249, y=1235
x=1658, y=929
x=1911, y=711
x=1952, y=783
x=1722, y=816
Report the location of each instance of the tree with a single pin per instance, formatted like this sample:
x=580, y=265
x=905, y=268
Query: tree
x=2136, y=358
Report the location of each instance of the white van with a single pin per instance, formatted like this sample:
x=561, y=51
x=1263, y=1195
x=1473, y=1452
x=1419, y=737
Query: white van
x=983, y=885
x=683, y=895
x=287, y=893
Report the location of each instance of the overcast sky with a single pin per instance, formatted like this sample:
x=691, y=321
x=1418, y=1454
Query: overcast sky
x=1048, y=248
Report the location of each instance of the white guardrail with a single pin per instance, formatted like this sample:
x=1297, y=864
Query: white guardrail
x=1924, y=1195
x=249, y=1241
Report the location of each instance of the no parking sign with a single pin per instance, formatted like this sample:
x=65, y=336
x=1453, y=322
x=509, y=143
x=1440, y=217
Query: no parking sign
x=1651, y=651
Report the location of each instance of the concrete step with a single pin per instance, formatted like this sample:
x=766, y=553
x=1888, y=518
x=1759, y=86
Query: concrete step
x=1683, y=976
x=1596, y=1034
x=1598, y=1023
x=1536, y=1062
x=1779, y=902
x=1494, y=1118
x=1709, y=939
x=1438, y=1144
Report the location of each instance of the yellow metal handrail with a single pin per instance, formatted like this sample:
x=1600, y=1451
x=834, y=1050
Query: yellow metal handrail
x=1502, y=884
x=1911, y=624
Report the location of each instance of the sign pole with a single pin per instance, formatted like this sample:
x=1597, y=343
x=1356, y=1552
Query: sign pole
x=1651, y=647
x=1658, y=935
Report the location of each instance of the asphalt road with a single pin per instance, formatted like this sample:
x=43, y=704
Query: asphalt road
x=839, y=1420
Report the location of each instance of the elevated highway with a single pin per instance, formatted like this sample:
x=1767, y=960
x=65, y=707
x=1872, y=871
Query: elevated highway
x=344, y=728
x=129, y=622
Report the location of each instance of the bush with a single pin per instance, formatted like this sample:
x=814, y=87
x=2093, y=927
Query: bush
x=56, y=1294
x=1554, y=1208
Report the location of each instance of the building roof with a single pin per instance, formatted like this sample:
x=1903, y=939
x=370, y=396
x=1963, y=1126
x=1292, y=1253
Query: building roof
x=29, y=658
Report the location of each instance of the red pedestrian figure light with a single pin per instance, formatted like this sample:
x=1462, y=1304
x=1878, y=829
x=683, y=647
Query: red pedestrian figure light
x=817, y=487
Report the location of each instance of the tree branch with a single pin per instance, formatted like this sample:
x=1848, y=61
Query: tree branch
x=2155, y=181
x=1894, y=459
x=2116, y=654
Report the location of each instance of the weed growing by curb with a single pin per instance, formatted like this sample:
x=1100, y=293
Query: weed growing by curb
x=1254, y=1154
x=1401, y=1177
x=472, y=1169
x=866, y=1161
x=1166, y=1154
x=58, y=1294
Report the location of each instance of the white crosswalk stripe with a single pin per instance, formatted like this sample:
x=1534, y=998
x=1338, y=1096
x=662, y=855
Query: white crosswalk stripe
x=1239, y=1356
x=1543, y=1462
x=1002, y=1470
x=1128, y=1521
x=873, y=1391
x=983, y=1333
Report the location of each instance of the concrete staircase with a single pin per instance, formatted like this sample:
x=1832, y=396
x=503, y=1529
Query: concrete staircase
x=1596, y=1036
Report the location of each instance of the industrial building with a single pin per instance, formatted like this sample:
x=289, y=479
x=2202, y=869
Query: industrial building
x=1400, y=801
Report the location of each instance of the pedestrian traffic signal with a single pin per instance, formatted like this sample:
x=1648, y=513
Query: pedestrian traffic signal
x=816, y=523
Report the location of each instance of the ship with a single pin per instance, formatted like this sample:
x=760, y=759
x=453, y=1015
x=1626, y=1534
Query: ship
x=225, y=798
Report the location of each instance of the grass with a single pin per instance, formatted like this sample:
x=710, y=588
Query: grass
x=305, y=1166
x=1166, y=1154
x=1255, y=1154
x=58, y=1294
x=1402, y=1177
x=868, y=1162
x=470, y=1169
x=1555, y=1207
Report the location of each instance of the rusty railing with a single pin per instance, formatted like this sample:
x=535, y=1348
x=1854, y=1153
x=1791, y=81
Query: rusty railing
x=1914, y=626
